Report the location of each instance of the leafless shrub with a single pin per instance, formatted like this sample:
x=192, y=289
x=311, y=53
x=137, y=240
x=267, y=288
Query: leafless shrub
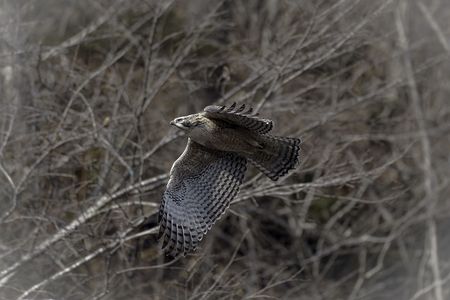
x=88, y=88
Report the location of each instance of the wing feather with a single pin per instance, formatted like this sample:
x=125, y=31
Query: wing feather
x=240, y=117
x=201, y=186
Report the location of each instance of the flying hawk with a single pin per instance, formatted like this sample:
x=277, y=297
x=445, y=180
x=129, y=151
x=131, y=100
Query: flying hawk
x=207, y=176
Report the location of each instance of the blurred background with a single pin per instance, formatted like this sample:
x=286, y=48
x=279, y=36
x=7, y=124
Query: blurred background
x=87, y=89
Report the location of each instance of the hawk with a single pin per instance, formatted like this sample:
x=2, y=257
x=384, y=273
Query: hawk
x=207, y=176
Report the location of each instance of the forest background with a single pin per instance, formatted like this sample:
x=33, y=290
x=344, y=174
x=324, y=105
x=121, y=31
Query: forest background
x=87, y=90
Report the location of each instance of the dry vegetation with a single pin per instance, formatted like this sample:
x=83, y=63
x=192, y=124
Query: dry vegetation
x=87, y=89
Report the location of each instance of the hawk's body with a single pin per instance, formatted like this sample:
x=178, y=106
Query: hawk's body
x=219, y=135
x=207, y=176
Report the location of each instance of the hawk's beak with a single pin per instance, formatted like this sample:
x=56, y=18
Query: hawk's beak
x=178, y=124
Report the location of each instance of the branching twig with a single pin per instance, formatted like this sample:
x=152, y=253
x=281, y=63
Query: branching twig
x=81, y=219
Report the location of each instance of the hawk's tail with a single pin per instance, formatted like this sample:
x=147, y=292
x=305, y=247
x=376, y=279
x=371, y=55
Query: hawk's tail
x=277, y=156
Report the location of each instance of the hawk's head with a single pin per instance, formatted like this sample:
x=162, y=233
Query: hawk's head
x=187, y=123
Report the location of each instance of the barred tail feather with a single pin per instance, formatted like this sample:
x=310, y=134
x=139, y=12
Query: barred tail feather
x=278, y=155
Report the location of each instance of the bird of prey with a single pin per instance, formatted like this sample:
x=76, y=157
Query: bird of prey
x=207, y=176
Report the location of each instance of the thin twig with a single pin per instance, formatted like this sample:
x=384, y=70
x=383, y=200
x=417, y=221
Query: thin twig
x=430, y=196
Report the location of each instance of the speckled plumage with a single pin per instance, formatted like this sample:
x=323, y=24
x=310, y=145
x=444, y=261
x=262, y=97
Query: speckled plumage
x=207, y=176
x=201, y=186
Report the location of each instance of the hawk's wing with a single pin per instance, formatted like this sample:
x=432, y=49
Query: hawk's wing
x=239, y=116
x=201, y=186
